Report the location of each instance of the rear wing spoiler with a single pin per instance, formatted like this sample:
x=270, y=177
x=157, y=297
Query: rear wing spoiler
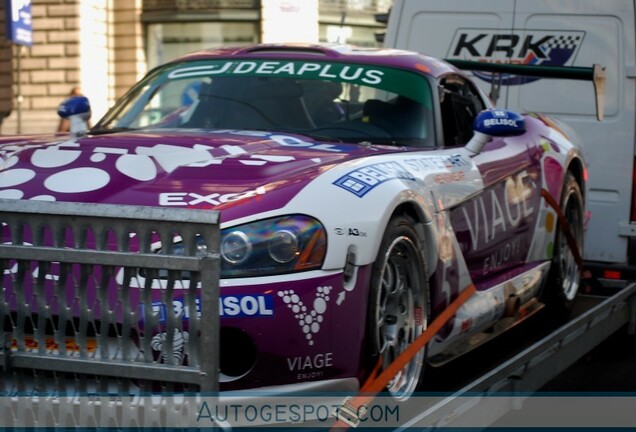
x=596, y=74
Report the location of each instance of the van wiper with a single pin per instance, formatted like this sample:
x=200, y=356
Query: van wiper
x=322, y=138
x=109, y=130
x=399, y=142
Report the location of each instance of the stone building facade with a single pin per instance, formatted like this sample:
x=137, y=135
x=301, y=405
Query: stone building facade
x=94, y=44
x=6, y=75
x=105, y=46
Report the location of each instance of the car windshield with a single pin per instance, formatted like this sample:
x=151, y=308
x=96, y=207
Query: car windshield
x=326, y=100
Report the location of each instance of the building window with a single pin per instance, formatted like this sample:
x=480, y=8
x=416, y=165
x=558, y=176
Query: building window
x=177, y=27
x=166, y=41
x=363, y=36
x=351, y=21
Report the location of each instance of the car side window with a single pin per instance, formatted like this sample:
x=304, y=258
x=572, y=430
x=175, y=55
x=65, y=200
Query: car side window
x=460, y=103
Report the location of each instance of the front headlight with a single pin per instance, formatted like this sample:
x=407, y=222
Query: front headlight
x=273, y=246
x=236, y=247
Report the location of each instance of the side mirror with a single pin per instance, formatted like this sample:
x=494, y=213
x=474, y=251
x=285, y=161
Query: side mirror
x=78, y=110
x=495, y=123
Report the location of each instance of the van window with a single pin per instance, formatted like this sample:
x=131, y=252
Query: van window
x=460, y=103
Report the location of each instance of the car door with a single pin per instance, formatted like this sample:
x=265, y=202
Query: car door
x=494, y=228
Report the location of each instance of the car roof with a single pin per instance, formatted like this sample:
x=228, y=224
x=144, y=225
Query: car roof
x=330, y=52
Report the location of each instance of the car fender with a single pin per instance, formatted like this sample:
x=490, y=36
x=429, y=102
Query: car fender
x=421, y=180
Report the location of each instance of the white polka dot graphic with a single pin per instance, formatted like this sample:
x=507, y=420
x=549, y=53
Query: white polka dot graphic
x=77, y=180
x=15, y=177
x=73, y=176
x=43, y=198
x=9, y=162
x=54, y=158
x=11, y=194
x=138, y=167
x=308, y=320
x=98, y=157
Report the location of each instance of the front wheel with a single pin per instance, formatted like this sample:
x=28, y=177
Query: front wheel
x=565, y=273
x=398, y=304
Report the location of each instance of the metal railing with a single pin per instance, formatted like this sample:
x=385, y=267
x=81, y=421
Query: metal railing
x=96, y=295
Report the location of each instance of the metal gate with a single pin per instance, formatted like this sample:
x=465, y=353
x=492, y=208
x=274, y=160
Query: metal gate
x=102, y=300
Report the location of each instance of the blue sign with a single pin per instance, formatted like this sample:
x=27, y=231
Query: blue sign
x=190, y=93
x=19, y=22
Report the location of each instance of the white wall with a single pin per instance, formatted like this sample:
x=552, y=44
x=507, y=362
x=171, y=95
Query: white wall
x=94, y=54
x=289, y=21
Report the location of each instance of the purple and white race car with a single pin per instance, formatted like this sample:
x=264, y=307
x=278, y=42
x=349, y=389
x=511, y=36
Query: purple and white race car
x=360, y=192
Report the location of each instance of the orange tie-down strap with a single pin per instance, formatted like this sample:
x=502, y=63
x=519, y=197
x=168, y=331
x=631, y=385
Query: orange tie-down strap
x=565, y=228
x=347, y=414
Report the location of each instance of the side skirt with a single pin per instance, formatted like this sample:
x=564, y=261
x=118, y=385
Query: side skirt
x=490, y=313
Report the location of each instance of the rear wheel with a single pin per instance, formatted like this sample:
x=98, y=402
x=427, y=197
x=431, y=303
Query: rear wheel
x=565, y=273
x=398, y=304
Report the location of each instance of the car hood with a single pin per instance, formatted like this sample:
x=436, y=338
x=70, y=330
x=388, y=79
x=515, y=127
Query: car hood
x=238, y=172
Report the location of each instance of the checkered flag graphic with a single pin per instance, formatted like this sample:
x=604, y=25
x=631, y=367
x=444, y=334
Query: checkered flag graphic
x=564, y=42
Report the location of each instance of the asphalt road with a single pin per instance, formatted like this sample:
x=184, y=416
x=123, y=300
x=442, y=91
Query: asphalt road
x=610, y=367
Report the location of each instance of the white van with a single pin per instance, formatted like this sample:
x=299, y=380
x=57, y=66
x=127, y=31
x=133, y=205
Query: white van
x=552, y=33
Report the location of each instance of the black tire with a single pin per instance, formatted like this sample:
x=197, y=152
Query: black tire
x=398, y=304
x=565, y=274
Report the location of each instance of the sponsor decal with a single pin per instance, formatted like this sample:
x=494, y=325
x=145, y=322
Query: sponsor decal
x=75, y=173
x=455, y=161
x=290, y=141
x=284, y=140
x=386, y=78
x=350, y=232
x=179, y=310
x=503, y=255
x=500, y=122
x=497, y=222
x=230, y=306
x=494, y=213
x=353, y=73
x=437, y=163
x=449, y=177
x=364, y=180
x=193, y=198
x=246, y=306
x=309, y=320
x=178, y=345
x=533, y=47
x=310, y=366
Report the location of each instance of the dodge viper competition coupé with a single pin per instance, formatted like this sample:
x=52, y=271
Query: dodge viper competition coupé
x=360, y=192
